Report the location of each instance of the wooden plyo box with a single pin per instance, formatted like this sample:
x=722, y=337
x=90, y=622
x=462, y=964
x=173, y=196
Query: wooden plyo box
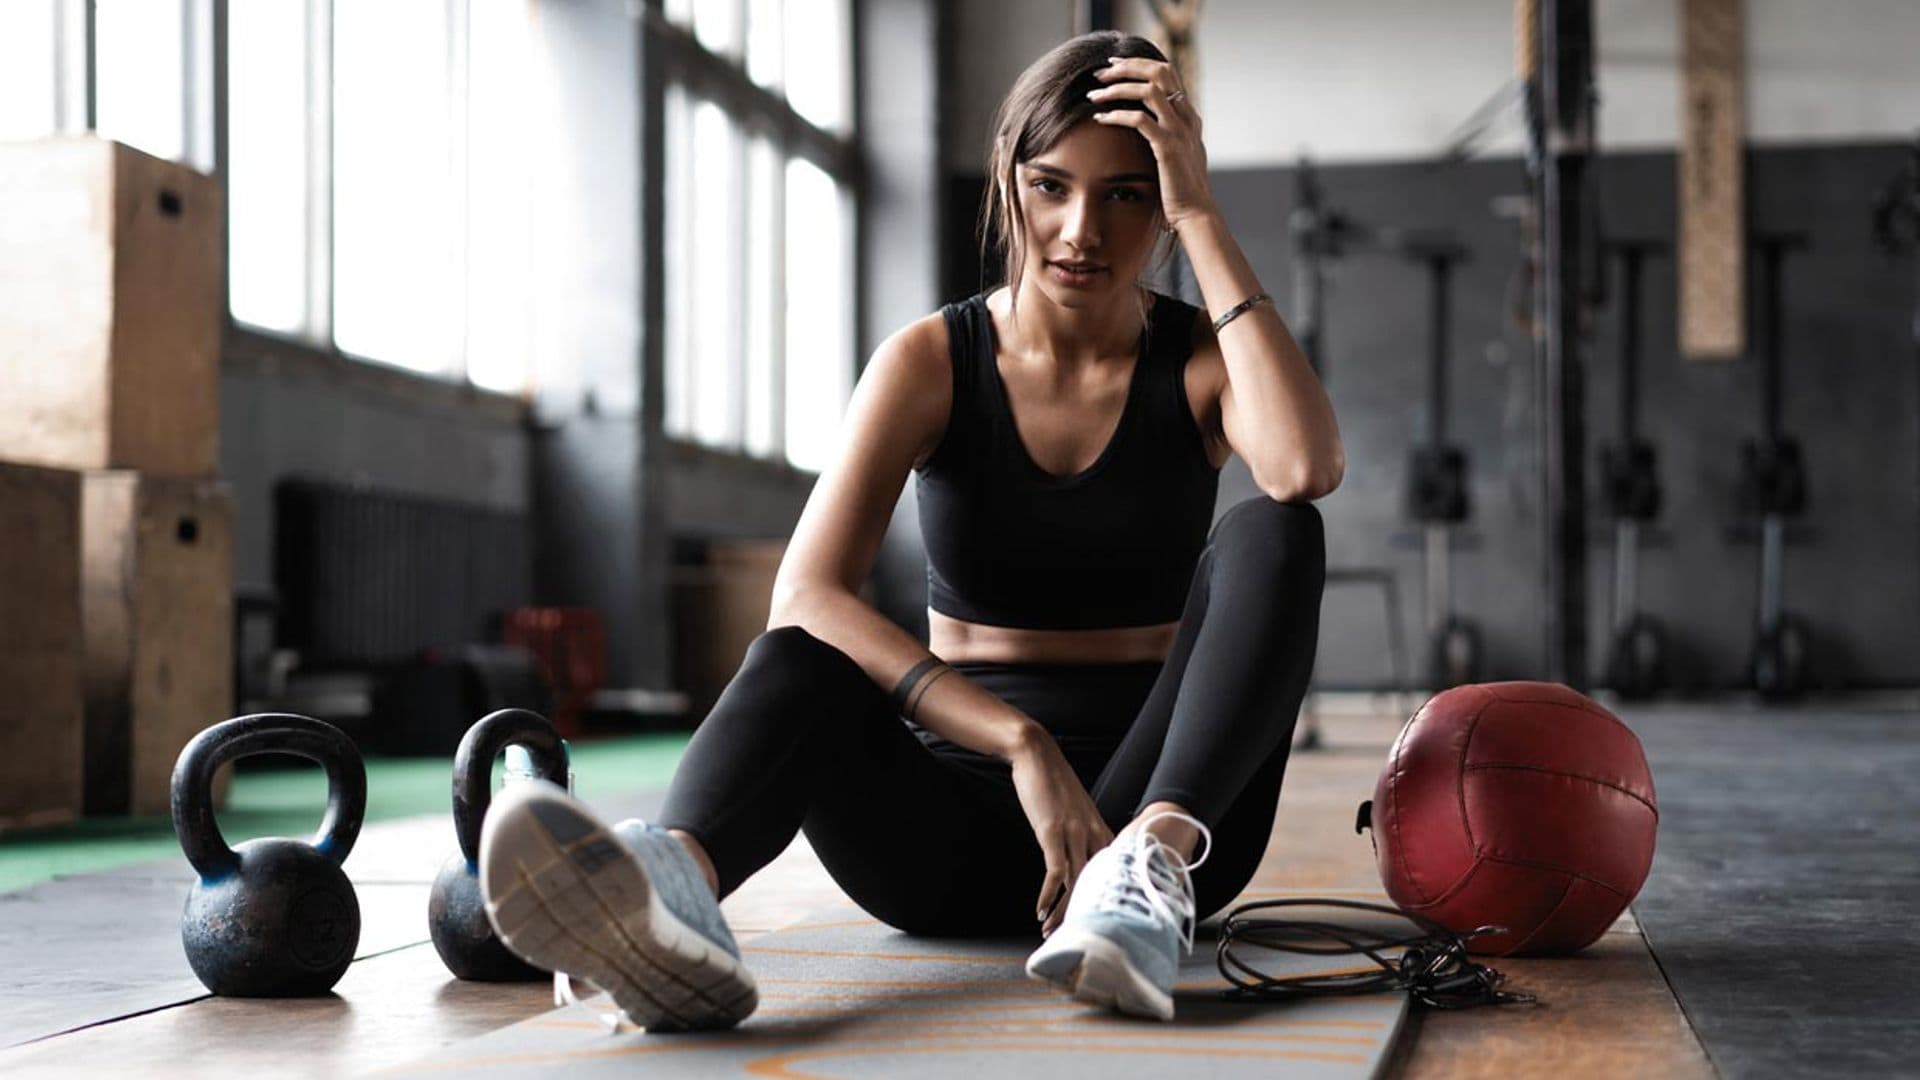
x=40, y=639
x=157, y=605
x=110, y=330
x=718, y=609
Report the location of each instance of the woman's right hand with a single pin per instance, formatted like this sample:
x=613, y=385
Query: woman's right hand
x=1064, y=819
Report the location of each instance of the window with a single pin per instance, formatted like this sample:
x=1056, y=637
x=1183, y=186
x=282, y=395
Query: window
x=499, y=198
x=819, y=311
x=268, y=165
x=396, y=265
x=381, y=196
x=429, y=201
x=28, y=71
x=760, y=282
x=816, y=46
x=140, y=53
x=378, y=192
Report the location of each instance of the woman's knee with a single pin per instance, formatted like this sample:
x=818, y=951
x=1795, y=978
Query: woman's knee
x=792, y=647
x=789, y=662
x=1271, y=538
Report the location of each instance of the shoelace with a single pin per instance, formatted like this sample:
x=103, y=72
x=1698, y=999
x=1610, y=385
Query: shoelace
x=563, y=995
x=1161, y=888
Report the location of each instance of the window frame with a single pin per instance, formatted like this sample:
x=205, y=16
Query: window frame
x=315, y=343
x=673, y=56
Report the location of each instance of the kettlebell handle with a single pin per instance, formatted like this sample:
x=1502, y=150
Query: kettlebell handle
x=473, y=767
x=266, y=733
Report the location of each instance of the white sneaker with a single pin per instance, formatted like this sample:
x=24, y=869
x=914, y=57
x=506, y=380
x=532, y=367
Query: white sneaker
x=625, y=908
x=1128, y=923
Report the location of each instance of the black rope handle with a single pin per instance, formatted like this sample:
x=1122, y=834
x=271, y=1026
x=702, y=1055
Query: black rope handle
x=1432, y=965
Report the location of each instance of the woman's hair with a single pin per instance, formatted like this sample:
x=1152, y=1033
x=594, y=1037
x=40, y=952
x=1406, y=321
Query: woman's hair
x=1046, y=101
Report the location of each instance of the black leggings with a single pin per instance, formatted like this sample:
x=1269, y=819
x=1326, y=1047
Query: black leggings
x=929, y=837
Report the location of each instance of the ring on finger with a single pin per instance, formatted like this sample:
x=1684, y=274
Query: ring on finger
x=1176, y=95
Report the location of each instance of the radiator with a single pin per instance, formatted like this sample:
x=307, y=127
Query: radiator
x=367, y=577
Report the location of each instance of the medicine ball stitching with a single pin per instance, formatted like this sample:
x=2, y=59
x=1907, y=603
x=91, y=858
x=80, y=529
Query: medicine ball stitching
x=1460, y=773
x=1586, y=705
x=1583, y=704
x=1525, y=767
x=1467, y=879
x=1406, y=871
x=1538, y=864
x=1454, y=889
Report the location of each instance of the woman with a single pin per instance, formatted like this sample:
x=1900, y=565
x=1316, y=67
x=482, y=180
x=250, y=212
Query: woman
x=1105, y=710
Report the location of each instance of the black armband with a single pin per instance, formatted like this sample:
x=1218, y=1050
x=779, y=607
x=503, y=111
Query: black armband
x=905, y=695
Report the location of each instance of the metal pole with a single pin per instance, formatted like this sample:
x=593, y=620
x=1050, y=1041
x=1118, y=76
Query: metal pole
x=1310, y=230
x=1773, y=252
x=1440, y=264
x=1632, y=255
x=1566, y=84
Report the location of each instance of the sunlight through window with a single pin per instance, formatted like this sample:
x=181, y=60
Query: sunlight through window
x=26, y=69
x=500, y=198
x=141, y=50
x=819, y=313
x=267, y=163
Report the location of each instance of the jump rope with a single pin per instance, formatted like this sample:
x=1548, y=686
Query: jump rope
x=1432, y=964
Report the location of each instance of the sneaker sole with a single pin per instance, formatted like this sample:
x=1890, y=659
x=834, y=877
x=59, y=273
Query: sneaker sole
x=1089, y=968
x=564, y=894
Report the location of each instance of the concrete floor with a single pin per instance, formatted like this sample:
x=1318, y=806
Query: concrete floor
x=1784, y=903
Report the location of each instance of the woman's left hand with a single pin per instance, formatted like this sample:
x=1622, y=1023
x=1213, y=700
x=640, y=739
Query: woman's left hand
x=1171, y=127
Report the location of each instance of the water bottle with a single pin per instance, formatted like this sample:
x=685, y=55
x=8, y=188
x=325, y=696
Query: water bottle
x=520, y=768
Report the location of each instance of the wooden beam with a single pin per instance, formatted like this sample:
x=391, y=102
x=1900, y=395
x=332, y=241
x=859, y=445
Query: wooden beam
x=1711, y=182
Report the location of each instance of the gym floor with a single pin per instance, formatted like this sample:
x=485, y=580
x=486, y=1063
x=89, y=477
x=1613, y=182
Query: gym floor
x=394, y=364
x=1773, y=937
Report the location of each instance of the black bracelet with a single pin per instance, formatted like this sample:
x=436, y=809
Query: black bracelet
x=1240, y=309
x=903, y=690
x=913, y=707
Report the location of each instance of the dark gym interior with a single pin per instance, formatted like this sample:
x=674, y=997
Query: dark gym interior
x=388, y=365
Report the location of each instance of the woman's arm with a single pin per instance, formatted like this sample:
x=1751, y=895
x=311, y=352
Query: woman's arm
x=952, y=707
x=897, y=415
x=1273, y=410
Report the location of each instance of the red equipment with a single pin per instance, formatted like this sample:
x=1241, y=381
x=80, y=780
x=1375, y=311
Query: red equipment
x=571, y=645
x=1518, y=804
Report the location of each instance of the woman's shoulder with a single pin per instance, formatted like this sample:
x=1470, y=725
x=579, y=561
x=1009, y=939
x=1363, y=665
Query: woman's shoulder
x=906, y=389
x=920, y=344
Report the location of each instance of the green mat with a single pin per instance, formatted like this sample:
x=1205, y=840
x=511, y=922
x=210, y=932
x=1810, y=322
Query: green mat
x=288, y=802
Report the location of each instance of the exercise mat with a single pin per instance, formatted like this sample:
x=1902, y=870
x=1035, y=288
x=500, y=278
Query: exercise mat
x=842, y=995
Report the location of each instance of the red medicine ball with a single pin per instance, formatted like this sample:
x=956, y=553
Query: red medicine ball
x=1516, y=804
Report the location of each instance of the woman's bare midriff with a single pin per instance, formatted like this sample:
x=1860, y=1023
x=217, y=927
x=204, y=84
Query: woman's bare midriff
x=956, y=640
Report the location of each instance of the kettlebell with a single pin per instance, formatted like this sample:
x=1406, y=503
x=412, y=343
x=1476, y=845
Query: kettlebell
x=456, y=913
x=273, y=917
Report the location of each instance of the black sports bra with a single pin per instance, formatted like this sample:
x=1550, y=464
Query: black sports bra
x=1010, y=544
